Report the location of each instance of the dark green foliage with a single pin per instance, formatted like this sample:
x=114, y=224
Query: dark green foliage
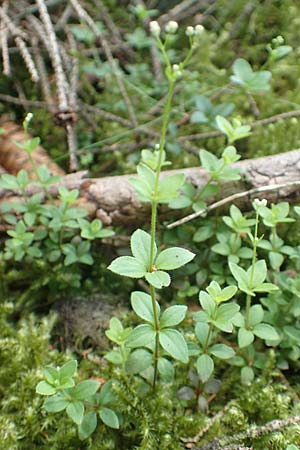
x=235, y=32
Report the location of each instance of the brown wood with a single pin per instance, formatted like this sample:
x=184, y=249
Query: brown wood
x=13, y=158
x=2, y=170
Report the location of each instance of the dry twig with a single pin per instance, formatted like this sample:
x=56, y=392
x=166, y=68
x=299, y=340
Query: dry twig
x=250, y=193
x=257, y=123
x=83, y=15
x=252, y=433
x=190, y=442
x=4, y=45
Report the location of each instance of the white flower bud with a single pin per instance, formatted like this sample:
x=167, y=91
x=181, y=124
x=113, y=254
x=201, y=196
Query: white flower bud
x=171, y=27
x=28, y=117
x=258, y=203
x=280, y=39
x=154, y=28
x=176, y=70
x=199, y=30
x=27, y=121
x=190, y=31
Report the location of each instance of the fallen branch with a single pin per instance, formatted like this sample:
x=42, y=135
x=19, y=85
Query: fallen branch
x=250, y=434
x=113, y=200
x=191, y=442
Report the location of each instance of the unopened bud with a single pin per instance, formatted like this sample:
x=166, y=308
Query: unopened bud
x=277, y=41
x=176, y=70
x=154, y=28
x=258, y=203
x=171, y=27
x=190, y=31
x=27, y=121
x=280, y=40
x=199, y=29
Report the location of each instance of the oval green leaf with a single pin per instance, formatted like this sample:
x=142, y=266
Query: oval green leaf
x=174, y=344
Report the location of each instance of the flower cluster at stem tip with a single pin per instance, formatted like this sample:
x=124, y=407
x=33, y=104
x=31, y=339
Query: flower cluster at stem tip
x=194, y=31
x=172, y=27
x=259, y=203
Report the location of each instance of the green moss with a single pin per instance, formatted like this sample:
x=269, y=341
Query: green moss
x=24, y=350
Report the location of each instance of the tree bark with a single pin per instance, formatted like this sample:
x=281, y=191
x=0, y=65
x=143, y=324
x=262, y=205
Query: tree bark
x=113, y=200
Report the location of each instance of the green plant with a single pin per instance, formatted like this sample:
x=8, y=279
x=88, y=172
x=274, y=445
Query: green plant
x=233, y=131
x=219, y=170
x=144, y=355
x=214, y=318
x=250, y=80
x=206, y=113
x=149, y=345
x=255, y=321
x=81, y=401
x=158, y=334
x=41, y=230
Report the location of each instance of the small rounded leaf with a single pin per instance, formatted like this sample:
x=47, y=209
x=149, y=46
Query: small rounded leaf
x=173, y=316
x=222, y=351
x=166, y=370
x=44, y=388
x=265, y=331
x=140, y=246
x=205, y=367
x=88, y=425
x=56, y=403
x=202, y=331
x=158, y=279
x=247, y=375
x=85, y=389
x=75, y=411
x=173, y=258
x=256, y=315
x=142, y=306
x=109, y=417
x=128, y=266
x=68, y=369
x=186, y=393
x=141, y=336
x=138, y=361
x=245, y=337
x=174, y=344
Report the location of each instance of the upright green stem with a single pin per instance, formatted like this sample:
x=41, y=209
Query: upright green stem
x=203, y=189
x=273, y=231
x=166, y=118
x=156, y=324
x=248, y=298
x=205, y=348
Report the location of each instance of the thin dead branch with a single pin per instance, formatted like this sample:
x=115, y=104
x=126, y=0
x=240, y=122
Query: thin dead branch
x=252, y=433
x=251, y=194
x=257, y=123
x=83, y=15
x=4, y=44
